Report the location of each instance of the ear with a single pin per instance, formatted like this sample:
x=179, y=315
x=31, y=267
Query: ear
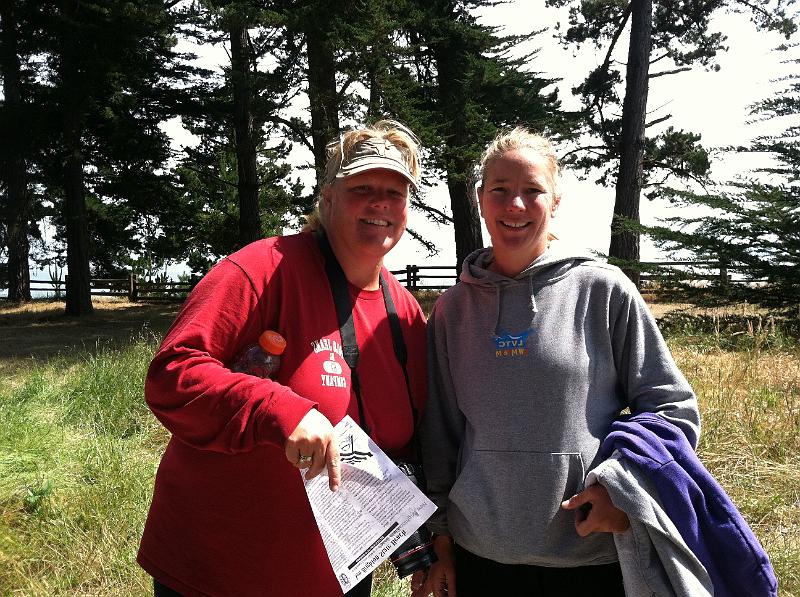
x=327, y=193
x=479, y=195
x=554, y=203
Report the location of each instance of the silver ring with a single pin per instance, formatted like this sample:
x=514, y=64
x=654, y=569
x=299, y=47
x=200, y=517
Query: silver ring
x=304, y=460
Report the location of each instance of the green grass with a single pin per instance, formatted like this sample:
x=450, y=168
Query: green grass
x=79, y=450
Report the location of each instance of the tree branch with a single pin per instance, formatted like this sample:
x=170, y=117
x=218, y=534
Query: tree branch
x=585, y=148
x=292, y=126
x=211, y=176
x=680, y=172
x=429, y=246
x=442, y=217
x=654, y=60
x=607, y=61
x=669, y=72
x=615, y=37
x=657, y=121
x=755, y=8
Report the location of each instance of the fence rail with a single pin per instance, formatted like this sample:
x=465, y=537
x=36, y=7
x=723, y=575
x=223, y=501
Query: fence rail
x=414, y=277
x=131, y=288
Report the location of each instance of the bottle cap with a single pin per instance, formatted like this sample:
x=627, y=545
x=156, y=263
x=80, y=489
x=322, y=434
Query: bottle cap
x=272, y=342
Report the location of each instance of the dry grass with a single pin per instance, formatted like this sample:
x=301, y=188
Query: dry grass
x=750, y=404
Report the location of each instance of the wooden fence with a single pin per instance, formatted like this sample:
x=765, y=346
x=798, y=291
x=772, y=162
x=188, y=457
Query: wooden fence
x=439, y=277
x=414, y=277
x=417, y=277
x=131, y=288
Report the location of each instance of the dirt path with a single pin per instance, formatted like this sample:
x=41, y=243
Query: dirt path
x=41, y=331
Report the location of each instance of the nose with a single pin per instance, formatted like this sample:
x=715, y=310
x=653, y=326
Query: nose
x=380, y=200
x=516, y=203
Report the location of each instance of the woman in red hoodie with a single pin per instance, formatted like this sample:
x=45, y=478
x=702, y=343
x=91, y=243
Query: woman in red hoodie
x=229, y=514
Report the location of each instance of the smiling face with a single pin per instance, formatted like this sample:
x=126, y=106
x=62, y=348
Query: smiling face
x=366, y=214
x=517, y=201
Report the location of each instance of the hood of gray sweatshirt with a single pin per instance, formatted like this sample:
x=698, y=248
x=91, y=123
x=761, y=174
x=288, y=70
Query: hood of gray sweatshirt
x=526, y=376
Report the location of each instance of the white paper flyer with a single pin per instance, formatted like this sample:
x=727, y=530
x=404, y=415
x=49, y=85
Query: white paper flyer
x=375, y=509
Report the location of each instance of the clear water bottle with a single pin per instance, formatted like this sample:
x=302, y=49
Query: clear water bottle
x=264, y=358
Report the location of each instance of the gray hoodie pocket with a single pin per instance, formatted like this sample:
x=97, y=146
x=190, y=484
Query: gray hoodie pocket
x=506, y=505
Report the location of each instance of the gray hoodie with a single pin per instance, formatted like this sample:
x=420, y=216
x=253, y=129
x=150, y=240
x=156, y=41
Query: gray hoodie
x=526, y=376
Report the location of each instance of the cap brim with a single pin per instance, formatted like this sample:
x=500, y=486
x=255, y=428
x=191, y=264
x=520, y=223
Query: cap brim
x=376, y=163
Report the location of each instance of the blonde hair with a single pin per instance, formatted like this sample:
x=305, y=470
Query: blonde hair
x=341, y=149
x=522, y=138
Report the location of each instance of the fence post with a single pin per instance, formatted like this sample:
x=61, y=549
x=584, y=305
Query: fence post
x=133, y=289
x=409, y=276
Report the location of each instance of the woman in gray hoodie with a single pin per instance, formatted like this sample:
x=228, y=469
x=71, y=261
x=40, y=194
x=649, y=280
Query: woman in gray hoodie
x=532, y=356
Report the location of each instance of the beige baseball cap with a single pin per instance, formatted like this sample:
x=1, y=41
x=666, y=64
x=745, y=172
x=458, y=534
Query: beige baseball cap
x=373, y=154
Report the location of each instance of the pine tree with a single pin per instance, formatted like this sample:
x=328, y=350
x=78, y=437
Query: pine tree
x=754, y=224
x=16, y=118
x=234, y=185
x=455, y=83
x=106, y=94
x=676, y=32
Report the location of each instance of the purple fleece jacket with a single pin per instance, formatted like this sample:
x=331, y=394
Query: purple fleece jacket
x=703, y=513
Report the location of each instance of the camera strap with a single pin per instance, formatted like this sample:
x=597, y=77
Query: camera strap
x=344, y=312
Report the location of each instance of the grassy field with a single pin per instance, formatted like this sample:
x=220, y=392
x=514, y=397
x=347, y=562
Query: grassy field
x=78, y=448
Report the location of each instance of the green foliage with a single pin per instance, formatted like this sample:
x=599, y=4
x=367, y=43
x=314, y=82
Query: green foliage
x=112, y=67
x=753, y=225
x=207, y=223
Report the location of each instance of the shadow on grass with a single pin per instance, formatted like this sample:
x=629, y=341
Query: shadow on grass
x=39, y=331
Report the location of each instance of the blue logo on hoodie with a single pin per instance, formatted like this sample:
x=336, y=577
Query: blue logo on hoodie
x=508, y=345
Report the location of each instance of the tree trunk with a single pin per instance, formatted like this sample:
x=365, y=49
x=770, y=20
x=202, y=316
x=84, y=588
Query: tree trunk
x=79, y=299
x=451, y=67
x=245, y=135
x=625, y=243
x=466, y=220
x=13, y=160
x=322, y=94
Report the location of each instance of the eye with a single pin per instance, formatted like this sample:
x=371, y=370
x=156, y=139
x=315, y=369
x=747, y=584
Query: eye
x=534, y=191
x=497, y=190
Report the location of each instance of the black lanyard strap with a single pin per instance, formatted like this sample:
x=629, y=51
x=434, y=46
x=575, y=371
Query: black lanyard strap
x=344, y=313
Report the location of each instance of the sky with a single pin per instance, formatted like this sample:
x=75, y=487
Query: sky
x=714, y=104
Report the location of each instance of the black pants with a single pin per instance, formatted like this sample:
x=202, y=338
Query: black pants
x=479, y=577
x=362, y=589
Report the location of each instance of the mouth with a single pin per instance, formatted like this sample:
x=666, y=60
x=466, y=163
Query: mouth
x=374, y=222
x=514, y=225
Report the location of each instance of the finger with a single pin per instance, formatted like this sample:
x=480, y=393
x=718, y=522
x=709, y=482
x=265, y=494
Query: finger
x=417, y=582
x=334, y=465
x=583, y=526
x=292, y=453
x=576, y=501
x=444, y=585
x=317, y=464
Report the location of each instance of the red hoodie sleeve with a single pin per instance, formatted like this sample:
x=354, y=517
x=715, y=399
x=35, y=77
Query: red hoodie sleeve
x=191, y=390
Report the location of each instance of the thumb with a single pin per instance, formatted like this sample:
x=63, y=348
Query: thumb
x=576, y=501
x=334, y=465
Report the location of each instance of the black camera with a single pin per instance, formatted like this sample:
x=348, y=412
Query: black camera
x=416, y=552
